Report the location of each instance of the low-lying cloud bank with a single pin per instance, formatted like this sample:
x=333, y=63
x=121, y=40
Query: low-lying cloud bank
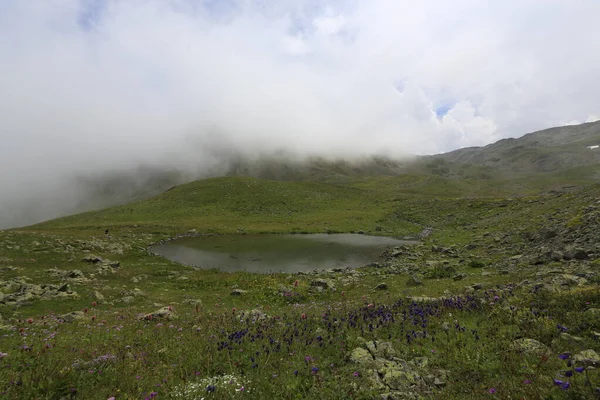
x=90, y=86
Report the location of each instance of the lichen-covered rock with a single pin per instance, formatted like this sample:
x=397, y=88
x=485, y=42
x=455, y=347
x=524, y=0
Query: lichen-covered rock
x=165, y=313
x=587, y=358
x=530, y=346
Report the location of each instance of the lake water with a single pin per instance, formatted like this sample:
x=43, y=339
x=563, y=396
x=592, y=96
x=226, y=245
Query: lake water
x=277, y=253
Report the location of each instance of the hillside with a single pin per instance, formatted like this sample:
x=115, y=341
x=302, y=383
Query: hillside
x=549, y=150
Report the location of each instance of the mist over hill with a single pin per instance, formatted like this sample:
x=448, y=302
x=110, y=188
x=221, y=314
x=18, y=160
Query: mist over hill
x=545, y=153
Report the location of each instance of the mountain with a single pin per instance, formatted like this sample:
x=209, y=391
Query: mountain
x=549, y=150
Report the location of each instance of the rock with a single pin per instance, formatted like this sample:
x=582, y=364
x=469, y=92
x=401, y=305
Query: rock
x=238, y=292
x=381, y=286
x=324, y=284
x=72, y=316
x=166, y=313
x=362, y=356
x=93, y=259
x=459, y=277
x=414, y=281
x=381, y=349
x=98, y=296
x=575, y=254
x=570, y=338
x=63, y=288
x=530, y=346
x=252, y=316
x=587, y=358
x=399, y=379
x=477, y=286
x=127, y=299
x=437, y=382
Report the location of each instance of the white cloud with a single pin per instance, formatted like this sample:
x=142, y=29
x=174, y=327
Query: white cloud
x=87, y=85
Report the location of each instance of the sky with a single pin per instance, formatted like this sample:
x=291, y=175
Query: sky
x=98, y=85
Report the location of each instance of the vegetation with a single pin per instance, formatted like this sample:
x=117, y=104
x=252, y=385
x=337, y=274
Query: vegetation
x=498, y=315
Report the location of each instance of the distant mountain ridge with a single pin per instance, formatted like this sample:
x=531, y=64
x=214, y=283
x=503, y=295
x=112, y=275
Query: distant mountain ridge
x=548, y=150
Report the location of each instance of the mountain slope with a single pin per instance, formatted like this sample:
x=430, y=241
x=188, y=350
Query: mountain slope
x=549, y=150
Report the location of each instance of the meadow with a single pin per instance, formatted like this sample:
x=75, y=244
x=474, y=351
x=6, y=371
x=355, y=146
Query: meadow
x=500, y=301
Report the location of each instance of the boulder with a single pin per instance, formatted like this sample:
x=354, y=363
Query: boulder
x=414, y=281
x=164, y=313
x=530, y=346
x=587, y=358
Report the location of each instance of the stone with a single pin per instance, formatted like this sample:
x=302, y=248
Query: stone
x=361, y=356
x=72, y=316
x=459, y=277
x=165, y=313
x=575, y=254
x=570, y=338
x=93, y=259
x=98, y=296
x=252, y=316
x=414, y=281
x=381, y=349
x=238, y=292
x=325, y=284
x=381, y=286
x=530, y=346
x=587, y=358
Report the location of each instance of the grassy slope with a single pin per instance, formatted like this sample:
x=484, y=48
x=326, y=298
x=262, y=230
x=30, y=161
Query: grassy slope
x=249, y=204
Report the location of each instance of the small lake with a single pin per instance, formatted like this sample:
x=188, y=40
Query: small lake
x=277, y=253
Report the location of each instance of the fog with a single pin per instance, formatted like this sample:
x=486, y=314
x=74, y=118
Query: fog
x=96, y=88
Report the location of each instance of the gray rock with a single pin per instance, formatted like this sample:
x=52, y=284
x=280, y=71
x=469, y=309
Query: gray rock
x=530, y=346
x=459, y=277
x=252, y=316
x=381, y=286
x=72, y=316
x=325, y=284
x=414, y=281
x=381, y=349
x=238, y=292
x=93, y=259
x=587, y=358
x=165, y=313
x=98, y=296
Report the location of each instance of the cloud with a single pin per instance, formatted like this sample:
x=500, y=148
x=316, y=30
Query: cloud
x=94, y=85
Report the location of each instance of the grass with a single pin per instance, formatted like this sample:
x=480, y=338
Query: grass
x=303, y=346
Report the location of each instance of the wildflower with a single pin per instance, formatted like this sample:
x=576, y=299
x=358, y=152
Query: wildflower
x=303, y=316
x=565, y=386
x=314, y=370
x=211, y=388
x=564, y=356
x=152, y=395
x=343, y=293
x=93, y=317
x=527, y=382
x=2, y=355
x=296, y=283
x=111, y=398
x=579, y=369
x=85, y=310
x=94, y=304
x=568, y=373
x=562, y=328
x=370, y=305
x=492, y=391
x=30, y=320
x=558, y=382
x=356, y=374
x=233, y=310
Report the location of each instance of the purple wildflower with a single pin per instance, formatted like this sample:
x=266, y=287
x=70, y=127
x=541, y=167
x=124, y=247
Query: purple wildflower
x=492, y=391
x=564, y=356
x=579, y=369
